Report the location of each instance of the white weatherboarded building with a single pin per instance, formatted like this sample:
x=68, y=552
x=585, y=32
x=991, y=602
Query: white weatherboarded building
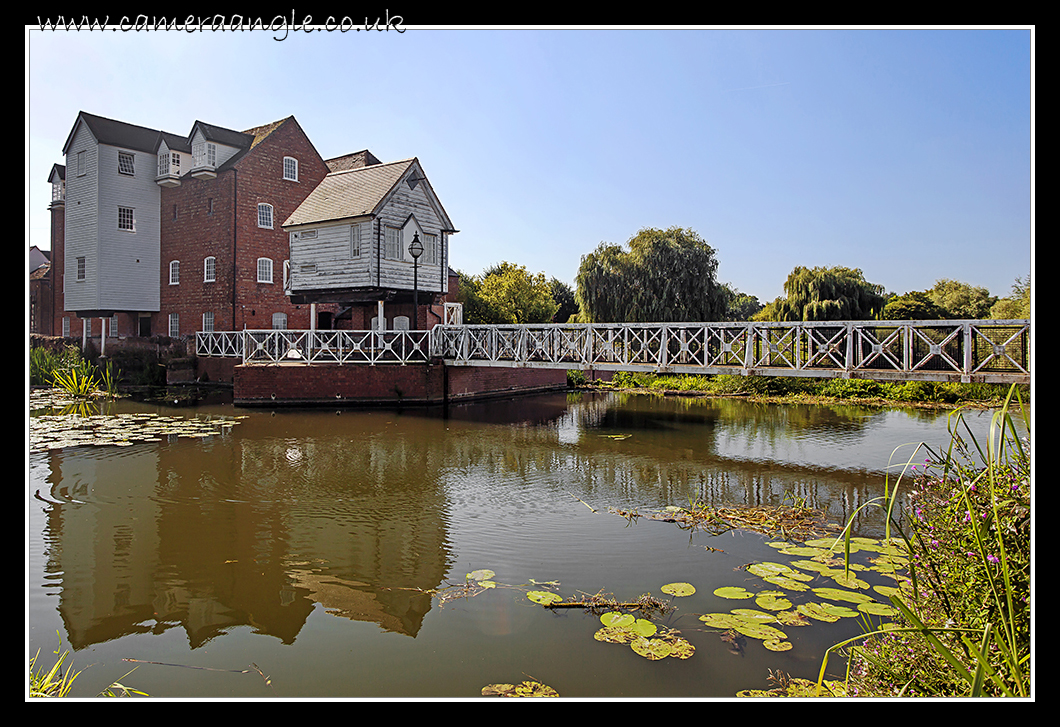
x=350, y=238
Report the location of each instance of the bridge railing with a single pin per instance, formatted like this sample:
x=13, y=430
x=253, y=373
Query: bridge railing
x=322, y=346
x=964, y=350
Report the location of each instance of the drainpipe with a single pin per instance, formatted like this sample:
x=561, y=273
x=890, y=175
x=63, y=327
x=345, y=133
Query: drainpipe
x=235, y=190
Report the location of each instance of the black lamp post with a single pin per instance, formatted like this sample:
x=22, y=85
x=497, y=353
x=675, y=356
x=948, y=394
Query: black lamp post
x=416, y=249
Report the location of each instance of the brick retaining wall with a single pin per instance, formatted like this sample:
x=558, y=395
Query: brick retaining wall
x=296, y=384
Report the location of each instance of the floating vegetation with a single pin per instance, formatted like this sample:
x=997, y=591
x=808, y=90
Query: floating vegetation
x=526, y=688
x=59, y=431
x=788, y=522
x=778, y=606
x=786, y=686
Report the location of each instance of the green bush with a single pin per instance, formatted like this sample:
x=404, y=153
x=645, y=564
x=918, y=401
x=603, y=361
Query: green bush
x=575, y=377
x=850, y=388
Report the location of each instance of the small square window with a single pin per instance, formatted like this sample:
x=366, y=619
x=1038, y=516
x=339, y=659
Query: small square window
x=126, y=163
x=126, y=219
x=290, y=169
x=265, y=215
x=264, y=270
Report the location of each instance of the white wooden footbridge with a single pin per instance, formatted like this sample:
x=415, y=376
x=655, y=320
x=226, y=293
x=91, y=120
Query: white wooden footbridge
x=986, y=351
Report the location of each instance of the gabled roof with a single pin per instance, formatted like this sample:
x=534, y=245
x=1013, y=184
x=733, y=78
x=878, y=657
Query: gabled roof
x=116, y=133
x=174, y=142
x=350, y=193
x=356, y=160
x=58, y=171
x=221, y=135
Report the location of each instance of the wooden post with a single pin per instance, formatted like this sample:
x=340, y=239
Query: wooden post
x=102, y=336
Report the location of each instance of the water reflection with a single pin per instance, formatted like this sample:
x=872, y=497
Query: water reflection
x=357, y=512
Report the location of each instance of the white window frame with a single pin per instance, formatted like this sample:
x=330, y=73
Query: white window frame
x=392, y=239
x=66, y=326
x=174, y=325
x=81, y=268
x=127, y=163
x=355, y=240
x=290, y=169
x=174, y=272
x=264, y=270
x=430, y=249
x=279, y=321
x=207, y=322
x=265, y=215
x=209, y=270
x=127, y=219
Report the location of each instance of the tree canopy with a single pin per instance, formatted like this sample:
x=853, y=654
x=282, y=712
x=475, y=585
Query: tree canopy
x=507, y=293
x=664, y=275
x=913, y=306
x=961, y=300
x=825, y=294
x=1017, y=305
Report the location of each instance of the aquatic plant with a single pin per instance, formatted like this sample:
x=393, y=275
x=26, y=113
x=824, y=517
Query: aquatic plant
x=963, y=623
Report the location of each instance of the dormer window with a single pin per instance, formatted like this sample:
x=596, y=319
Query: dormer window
x=126, y=163
x=58, y=190
x=290, y=169
x=205, y=154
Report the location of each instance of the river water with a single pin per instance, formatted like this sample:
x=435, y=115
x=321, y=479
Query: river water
x=304, y=554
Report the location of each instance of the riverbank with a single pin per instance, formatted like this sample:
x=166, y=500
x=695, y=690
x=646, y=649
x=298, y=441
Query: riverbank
x=795, y=390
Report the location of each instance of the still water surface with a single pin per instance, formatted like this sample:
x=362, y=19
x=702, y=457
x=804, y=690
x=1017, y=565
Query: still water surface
x=305, y=543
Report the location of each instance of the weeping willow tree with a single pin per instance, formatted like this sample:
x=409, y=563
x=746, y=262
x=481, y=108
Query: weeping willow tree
x=827, y=294
x=663, y=276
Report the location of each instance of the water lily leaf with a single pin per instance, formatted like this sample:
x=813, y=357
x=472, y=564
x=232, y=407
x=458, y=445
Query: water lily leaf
x=792, y=618
x=487, y=584
x=615, y=635
x=749, y=614
x=877, y=609
x=789, y=583
x=887, y=591
x=817, y=611
x=679, y=589
x=617, y=619
x=643, y=627
x=772, y=603
x=777, y=645
x=481, y=575
x=760, y=631
x=681, y=648
x=836, y=594
x=805, y=550
x=770, y=570
x=840, y=611
x=651, y=649
x=525, y=689
x=849, y=580
x=545, y=598
x=720, y=620
x=735, y=592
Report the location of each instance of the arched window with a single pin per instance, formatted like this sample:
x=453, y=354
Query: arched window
x=209, y=270
x=265, y=215
x=174, y=272
x=264, y=270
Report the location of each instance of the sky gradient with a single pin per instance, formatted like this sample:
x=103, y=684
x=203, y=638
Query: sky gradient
x=906, y=153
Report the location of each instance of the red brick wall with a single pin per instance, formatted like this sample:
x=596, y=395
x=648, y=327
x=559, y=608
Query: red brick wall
x=298, y=384
x=193, y=233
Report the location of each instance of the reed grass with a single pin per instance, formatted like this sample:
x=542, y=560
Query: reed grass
x=964, y=624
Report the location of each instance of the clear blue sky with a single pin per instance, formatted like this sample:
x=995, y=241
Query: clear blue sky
x=906, y=153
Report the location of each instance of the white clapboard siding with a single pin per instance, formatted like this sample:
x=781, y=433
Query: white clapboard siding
x=322, y=257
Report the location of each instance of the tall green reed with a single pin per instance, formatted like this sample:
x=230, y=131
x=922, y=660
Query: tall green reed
x=967, y=601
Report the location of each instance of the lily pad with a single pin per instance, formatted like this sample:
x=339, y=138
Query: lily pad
x=617, y=619
x=734, y=592
x=615, y=635
x=481, y=575
x=679, y=589
x=837, y=594
x=651, y=649
x=545, y=598
x=777, y=645
x=876, y=608
x=681, y=648
x=771, y=602
x=817, y=611
x=525, y=689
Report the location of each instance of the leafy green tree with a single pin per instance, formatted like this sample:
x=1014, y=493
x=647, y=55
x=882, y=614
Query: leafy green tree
x=664, y=275
x=1017, y=305
x=827, y=294
x=563, y=294
x=913, y=306
x=507, y=293
x=739, y=306
x=961, y=300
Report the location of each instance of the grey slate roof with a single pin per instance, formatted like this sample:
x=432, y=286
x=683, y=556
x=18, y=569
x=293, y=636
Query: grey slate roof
x=117, y=133
x=351, y=193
